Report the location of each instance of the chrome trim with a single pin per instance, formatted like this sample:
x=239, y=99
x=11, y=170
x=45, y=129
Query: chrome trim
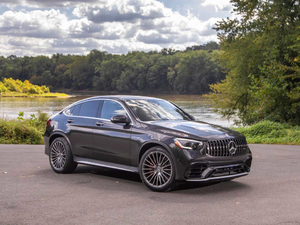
x=86, y=117
x=218, y=178
x=232, y=147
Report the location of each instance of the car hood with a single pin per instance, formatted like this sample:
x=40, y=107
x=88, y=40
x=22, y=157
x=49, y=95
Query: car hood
x=196, y=128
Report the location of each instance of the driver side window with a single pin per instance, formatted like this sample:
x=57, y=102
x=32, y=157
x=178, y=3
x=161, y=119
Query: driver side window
x=111, y=108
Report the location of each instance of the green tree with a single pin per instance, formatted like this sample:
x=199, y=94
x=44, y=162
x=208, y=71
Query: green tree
x=257, y=53
x=195, y=71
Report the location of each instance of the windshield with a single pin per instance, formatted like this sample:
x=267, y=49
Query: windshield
x=155, y=110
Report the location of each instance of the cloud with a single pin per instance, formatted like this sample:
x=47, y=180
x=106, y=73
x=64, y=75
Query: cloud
x=116, y=26
x=86, y=29
x=121, y=11
x=220, y=5
x=154, y=38
x=53, y=24
x=47, y=3
x=75, y=43
x=36, y=46
x=41, y=24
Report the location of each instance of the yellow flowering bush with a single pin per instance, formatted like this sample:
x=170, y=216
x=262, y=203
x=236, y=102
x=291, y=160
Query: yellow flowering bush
x=9, y=85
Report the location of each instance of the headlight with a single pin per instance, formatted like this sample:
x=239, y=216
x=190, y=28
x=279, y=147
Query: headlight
x=188, y=144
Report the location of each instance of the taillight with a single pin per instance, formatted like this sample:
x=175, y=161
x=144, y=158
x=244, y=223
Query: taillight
x=48, y=122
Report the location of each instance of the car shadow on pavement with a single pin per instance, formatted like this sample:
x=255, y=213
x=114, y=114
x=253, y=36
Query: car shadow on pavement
x=214, y=187
x=119, y=174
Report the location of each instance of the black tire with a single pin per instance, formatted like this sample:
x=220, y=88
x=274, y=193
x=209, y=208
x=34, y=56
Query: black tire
x=60, y=157
x=157, y=170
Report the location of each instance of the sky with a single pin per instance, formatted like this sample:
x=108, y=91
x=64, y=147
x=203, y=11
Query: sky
x=46, y=27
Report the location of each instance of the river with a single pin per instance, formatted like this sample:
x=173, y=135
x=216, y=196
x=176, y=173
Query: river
x=195, y=105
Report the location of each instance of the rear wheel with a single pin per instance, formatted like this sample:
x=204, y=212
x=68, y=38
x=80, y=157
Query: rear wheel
x=157, y=170
x=60, y=157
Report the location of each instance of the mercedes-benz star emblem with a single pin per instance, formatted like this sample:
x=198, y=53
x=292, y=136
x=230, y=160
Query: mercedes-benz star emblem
x=232, y=147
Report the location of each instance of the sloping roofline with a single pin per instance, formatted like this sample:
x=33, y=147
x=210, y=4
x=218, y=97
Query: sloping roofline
x=121, y=97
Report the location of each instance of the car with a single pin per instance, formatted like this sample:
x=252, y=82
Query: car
x=145, y=135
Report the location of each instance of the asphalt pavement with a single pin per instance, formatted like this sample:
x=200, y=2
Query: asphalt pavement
x=31, y=193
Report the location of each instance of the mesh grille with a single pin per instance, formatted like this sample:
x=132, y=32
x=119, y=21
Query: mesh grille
x=220, y=147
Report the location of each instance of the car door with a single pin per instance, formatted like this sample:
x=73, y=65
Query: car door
x=80, y=128
x=111, y=140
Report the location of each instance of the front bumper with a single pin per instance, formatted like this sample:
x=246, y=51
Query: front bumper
x=227, y=172
x=202, y=172
x=228, y=177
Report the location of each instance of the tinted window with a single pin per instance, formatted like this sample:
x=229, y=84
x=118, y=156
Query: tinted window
x=75, y=112
x=156, y=109
x=89, y=109
x=69, y=111
x=110, y=109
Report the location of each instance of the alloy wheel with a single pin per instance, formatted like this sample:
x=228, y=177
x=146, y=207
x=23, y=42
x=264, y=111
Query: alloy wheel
x=157, y=169
x=58, y=155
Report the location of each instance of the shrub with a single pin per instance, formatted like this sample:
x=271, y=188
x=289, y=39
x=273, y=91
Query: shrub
x=45, y=89
x=15, y=132
x=263, y=128
x=23, y=131
x=11, y=85
x=268, y=132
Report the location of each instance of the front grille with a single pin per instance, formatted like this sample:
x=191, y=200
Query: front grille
x=221, y=148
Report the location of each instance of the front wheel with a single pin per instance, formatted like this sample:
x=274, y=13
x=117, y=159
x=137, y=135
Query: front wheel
x=60, y=157
x=157, y=170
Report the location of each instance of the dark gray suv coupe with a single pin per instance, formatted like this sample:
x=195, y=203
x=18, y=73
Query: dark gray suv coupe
x=149, y=136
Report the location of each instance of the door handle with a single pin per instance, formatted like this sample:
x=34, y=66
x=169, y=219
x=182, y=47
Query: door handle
x=70, y=121
x=99, y=123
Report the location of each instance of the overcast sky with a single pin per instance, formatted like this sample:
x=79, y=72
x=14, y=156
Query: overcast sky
x=45, y=27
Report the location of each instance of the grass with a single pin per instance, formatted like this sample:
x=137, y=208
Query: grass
x=267, y=132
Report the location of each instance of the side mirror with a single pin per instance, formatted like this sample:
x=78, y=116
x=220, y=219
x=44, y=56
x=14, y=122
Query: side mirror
x=120, y=119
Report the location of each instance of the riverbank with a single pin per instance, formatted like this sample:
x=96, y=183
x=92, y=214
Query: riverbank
x=26, y=95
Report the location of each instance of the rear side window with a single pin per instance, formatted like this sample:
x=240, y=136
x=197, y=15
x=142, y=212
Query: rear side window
x=89, y=109
x=69, y=111
x=111, y=108
x=73, y=111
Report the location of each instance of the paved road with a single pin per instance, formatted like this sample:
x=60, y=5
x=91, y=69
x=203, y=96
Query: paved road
x=30, y=193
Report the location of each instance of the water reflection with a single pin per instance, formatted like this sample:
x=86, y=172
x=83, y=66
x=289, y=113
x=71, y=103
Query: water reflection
x=195, y=105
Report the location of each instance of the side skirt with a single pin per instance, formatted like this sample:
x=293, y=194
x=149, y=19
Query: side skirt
x=93, y=162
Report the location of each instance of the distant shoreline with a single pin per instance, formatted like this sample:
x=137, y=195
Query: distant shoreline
x=24, y=95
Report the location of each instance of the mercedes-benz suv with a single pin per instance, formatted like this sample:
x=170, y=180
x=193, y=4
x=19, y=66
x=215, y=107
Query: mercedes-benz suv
x=145, y=135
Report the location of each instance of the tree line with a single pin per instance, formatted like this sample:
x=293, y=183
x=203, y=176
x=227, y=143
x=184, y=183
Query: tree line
x=190, y=71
